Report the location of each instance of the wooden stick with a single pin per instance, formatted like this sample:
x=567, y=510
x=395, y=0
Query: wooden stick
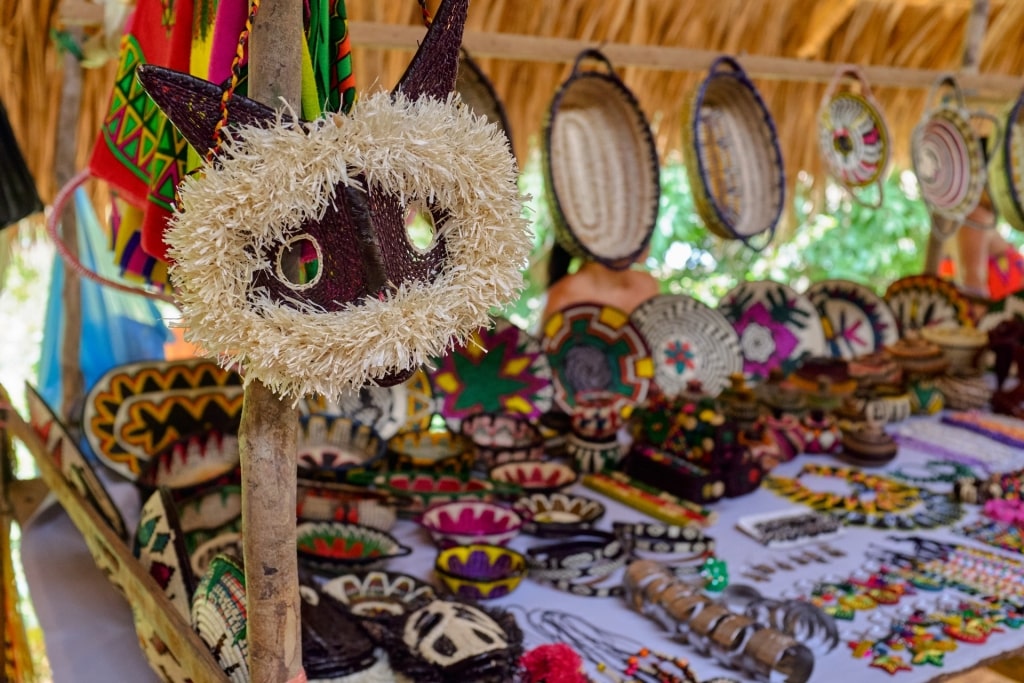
x=269, y=426
x=482, y=44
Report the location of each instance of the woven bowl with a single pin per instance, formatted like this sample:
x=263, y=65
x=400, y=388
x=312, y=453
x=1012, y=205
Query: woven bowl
x=329, y=446
x=424, y=489
x=338, y=547
x=191, y=461
x=499, y=438
x=435, y=450
x=535, y=477
x=463, y=522
x=733, y=159
x=591, y=456
x=1006, y=172
x=961, y=345
x=598, y=414
x=480, y=572
x=601, y=167
x=543, y=511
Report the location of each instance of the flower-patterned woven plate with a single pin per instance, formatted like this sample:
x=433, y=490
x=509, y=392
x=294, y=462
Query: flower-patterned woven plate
x=379, y=594
x=593, y=347
x=688, y=341
x=503, y=370
x=925, y=300
x=856, y=320
x=777, y=327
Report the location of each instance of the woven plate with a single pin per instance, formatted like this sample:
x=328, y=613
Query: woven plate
x=219, y=616
x=593, y=347
x=330, y=446
x=923, y=300
x=947, y=156
x=733, y=159
x=123, y=408
x=688, y=341
x=379, y=594
x=777, y=327
x=852, y=135
x=501, y=370
x=1006, y=172
x=159, y=544
x=857, y=321
x=601, y=167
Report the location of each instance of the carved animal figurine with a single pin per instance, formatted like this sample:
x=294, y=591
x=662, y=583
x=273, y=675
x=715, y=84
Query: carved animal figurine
x=290, y=250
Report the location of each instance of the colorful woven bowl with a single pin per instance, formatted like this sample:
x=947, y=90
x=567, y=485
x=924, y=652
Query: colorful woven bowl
x=479, y=571
x=463, y=522
x=191, y=461
x=589, y=455
x=601, y=166
x=329, y=446
x=424, y=489
x=542, y=511
x=733, y=159
x=435, y=450
x=499, y=438
x=338, y=547
x=535, y=477
x=598, y=414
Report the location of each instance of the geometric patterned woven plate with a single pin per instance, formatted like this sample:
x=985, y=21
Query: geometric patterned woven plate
x=124, y=408
x=777, y=327
x=857, y=321
x=500, y=370
x=926, y=300
x=689, y=341
x=593, y=347
x=219, y=616
x=160, y=546
x=378, y=593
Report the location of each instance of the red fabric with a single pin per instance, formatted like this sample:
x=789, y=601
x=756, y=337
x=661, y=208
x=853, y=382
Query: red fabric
x=1005, y=274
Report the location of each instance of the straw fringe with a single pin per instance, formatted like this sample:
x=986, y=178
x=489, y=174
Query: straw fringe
x=268, y=182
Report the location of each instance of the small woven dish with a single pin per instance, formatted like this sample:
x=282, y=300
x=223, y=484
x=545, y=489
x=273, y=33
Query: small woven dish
x=499, y=438
x=379, y=594
x=557, y=511
x=589, y=456
x=425, y=489
x=435, y=450
x=601, y=166
x=535, y=477
x=463, y=522
x=329, y=446
x=962, y=346
x=598, y=414
x=479, y=571
x=339, y=547
x=733, y=159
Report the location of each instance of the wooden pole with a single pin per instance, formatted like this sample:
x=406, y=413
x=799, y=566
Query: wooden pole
x=72, y=384
x=974, y=36
x=269, y=426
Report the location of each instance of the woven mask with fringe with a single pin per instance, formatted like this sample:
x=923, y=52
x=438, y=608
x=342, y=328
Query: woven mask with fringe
x=291, y=254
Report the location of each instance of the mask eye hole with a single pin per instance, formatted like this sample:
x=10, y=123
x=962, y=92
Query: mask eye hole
x=300, y=262
x=420, y=228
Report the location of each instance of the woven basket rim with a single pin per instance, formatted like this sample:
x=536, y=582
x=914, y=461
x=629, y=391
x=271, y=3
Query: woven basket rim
x=737, y=77
x=875, y=114
x=646, y=154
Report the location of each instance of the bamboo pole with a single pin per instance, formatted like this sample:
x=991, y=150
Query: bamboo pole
x=269, y=426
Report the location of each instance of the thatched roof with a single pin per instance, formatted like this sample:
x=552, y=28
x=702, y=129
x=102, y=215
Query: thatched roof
x=920, y=34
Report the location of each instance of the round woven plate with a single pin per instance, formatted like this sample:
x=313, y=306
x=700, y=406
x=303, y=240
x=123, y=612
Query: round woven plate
x=383, y=408
x=379, y=594
x=688, y=341
x=503, y=370
x=1006, y=172
x=733, y=159
x=122, y=408
x=948, y=158
x=853, y=139
x=602, y=167
x=857, y=321
x=777, y=327
x=593, y=347
x=923, y=300
x=219, y=616
x=159, y=544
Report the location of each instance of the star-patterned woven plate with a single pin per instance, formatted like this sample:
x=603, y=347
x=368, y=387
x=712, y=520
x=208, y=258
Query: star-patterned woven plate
x=856, y=320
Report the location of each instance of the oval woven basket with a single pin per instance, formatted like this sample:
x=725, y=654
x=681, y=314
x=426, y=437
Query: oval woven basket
x=477, y=92
x=852, y=135
x=1006, y=172
x=947, y=156
x=601, y=167
x=733, y=159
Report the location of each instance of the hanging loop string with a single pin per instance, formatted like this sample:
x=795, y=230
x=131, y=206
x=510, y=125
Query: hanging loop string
x=236, y=77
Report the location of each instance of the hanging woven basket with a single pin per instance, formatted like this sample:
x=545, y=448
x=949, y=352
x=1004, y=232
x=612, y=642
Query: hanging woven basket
x=601, y=166
x=947, y=155
x=477, y=92
x=1006, y=171
x=18, y=196
x=852, y=135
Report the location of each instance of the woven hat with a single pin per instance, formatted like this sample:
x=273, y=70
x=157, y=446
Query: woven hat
x=947, y=155
x=1006, y=173
x=477, y=92
x=852, y=134
x=733, y=159
x=601, y=166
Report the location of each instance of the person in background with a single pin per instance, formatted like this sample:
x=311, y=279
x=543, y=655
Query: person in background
x=596, y=283
x=989, y=266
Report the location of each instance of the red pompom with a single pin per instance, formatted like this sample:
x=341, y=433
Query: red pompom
x=556, y=663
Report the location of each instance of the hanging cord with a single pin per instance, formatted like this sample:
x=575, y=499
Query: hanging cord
x=51, y=228
x=428, y=18
x=236, y=77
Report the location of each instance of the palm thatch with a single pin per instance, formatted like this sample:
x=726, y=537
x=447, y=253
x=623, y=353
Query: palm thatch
x=923, y=34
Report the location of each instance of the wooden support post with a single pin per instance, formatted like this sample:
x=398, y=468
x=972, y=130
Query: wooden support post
x=269, y=427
